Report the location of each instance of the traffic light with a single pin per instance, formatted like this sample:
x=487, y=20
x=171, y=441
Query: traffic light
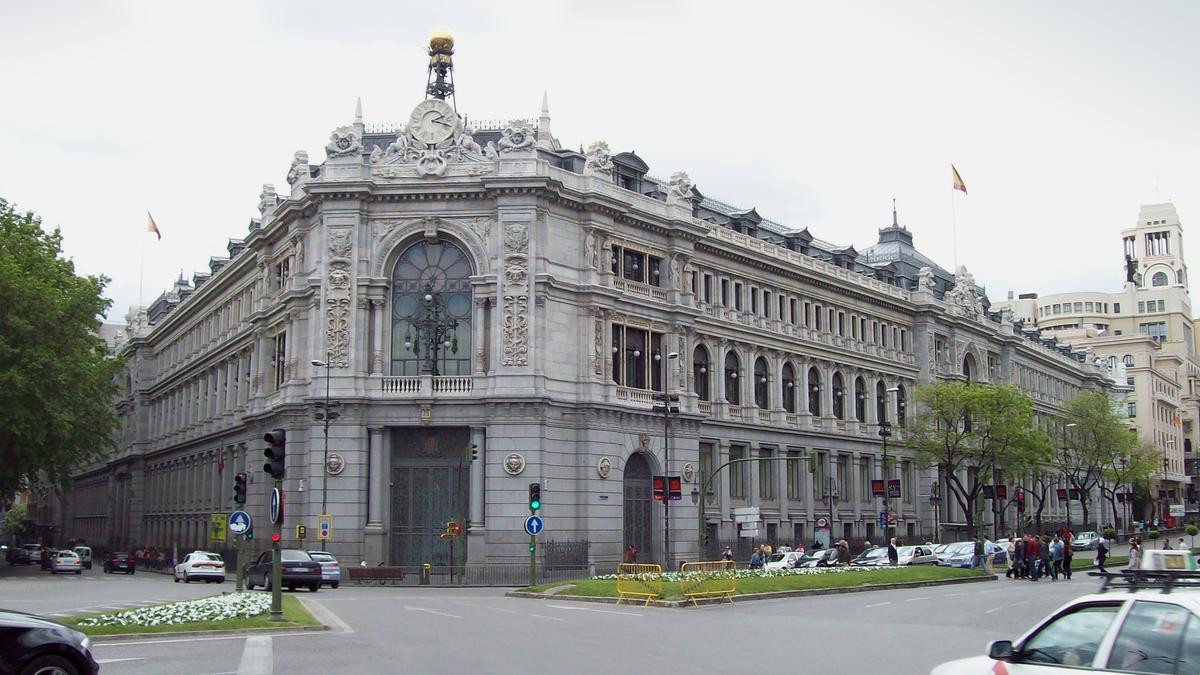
x=275, y=453
x=473, y=452
x=1020, y=500
x=275, y=537
x=674, y=488
x=239, y=488
x=301, y=532
x=535, y=496
x=249, y=535
x=660, y=488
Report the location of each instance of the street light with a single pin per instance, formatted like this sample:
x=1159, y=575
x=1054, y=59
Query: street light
x=326, y=414
x=434, y=328
x=666, y=409
x=885, y=432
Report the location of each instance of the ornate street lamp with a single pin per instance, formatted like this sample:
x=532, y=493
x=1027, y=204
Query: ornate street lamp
x=435, y=331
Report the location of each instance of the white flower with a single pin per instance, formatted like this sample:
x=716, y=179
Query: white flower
x=216, y=608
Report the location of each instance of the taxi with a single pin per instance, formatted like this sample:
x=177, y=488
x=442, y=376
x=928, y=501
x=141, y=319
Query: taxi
x=1142, y=621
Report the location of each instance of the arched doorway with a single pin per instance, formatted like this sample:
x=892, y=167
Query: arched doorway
x=638, y=507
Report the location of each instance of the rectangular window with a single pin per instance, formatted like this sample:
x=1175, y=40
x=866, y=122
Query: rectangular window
x=807, y=314
x=794, y=469
x=841, y=324
x=766, y=474
x=1156, y=330
x=903, y=340
x=906, y=476
x=1056, y=309
x=864, y=479
x=737, y=296
x=820, y=475
x=708, y=289
x=654, y=272
x=883, y=334
x=843, y=478
x=1087, y=306
x=724, y=292
x=1131, y=410
x=1141, y=307
x=783, y=314
x=737, y=474
x=279, y=360
x=1162, y=305
x=706, y=463
x=792, y=311
x=1079, y=307
x=817, y=314
x=766, y=306
x=753, y=300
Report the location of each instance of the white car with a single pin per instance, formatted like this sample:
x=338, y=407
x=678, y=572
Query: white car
x=201, y=565
x=66, y=561
x=85, y=555
x=331, y=573
x=781, y=561
x=1138, y=627
x=916, y=555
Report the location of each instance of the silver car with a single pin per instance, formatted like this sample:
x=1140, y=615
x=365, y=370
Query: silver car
x=331, y=573
x=66, y=561
x=1085, y=541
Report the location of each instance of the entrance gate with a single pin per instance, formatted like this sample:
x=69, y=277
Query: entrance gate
x=430, y=485
x=639, y=499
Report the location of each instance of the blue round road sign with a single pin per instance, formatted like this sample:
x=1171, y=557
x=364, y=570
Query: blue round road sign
x=533, y=525
x=239, y=522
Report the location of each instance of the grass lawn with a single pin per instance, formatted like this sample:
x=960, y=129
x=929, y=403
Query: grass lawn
x=294, y=616
x=607, y=588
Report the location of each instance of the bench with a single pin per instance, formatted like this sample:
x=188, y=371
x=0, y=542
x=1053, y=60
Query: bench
x=380, y=575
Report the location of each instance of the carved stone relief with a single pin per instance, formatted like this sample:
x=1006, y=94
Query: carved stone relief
x=343, y=142
x=516, y=295
x=599, y=160
x=337, y=299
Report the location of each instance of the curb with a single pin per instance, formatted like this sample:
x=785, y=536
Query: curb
x=683, y=604
x=124, y=637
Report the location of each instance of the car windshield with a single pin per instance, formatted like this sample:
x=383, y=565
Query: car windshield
x=1086, y=535
x=960, y=548
x=775, y=557
x=906, y=550
x=321, y=557
x=874, y=553
x=120, y=556
x=295, y=556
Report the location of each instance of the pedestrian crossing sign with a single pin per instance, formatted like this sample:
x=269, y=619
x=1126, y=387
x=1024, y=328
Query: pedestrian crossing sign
x=324, y=527
x=218, y=523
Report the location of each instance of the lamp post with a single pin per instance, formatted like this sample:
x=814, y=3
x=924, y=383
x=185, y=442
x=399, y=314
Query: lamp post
x=434, y=328
x=885, y=432
x=935, y=498
x=326, y=413
x=669, y=404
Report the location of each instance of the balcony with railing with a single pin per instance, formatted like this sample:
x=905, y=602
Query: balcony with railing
x=426, y=386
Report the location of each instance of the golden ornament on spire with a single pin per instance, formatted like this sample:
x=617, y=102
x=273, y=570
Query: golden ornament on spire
x=441, y=41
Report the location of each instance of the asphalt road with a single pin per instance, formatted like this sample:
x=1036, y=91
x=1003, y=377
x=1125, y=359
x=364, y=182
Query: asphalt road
x=481, y=631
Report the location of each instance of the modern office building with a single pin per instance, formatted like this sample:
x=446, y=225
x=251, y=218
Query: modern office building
x=491, y=309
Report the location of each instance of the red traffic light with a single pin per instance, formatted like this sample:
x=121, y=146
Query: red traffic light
x=275, y=537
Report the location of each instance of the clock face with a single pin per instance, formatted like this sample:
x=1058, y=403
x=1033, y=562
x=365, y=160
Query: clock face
x=433, y=121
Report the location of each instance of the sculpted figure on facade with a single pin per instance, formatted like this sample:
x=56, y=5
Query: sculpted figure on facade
x=429, y=159
x=599, y=160
x=964, y=299
x=516, y=137
x=343, y=142
x=680, y=189
x=267, y=199
x=925, y=279
x=299, y=169
x=340, y=244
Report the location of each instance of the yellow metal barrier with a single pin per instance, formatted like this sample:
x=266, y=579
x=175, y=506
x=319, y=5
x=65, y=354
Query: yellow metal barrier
x=708, y=579
x=639, y=580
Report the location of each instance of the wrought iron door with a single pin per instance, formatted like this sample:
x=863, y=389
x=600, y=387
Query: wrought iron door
x=430, y=485
x=638, y=504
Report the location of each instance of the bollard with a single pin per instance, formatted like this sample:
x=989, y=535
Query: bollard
x=425, y=574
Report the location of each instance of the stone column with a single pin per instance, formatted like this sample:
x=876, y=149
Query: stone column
x=373, y=534
x=377, y=311
x=721, y=482
x=752, y=495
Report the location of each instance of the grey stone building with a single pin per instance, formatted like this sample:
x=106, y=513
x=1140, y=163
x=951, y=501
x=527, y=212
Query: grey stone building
x=492, y=292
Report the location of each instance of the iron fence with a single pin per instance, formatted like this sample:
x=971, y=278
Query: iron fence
x=484, y=574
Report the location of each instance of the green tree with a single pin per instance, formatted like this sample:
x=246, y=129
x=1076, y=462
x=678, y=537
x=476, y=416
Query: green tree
x=972, y=433
x=57, y=377
x=1126, y=472
x=1096, y=440
x=14, y=520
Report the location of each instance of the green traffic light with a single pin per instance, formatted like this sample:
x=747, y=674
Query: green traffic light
x=535, y=505
x=531, y=548
x=249, y=535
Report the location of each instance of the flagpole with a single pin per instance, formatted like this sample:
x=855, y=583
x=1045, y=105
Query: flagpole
x=141, y=272
x=954, y=229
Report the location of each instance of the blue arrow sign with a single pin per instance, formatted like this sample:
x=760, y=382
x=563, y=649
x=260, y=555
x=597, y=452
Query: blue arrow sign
x=533, y=525
x=239, y=522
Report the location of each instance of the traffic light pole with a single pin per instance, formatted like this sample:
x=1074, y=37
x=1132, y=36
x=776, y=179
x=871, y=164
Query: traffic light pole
x=237, y=561
x=276, y=565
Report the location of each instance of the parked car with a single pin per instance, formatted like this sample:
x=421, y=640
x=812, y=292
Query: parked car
x=781, y=561
x=201, y=565
x=85, y=555
x=297, y=569
x=958, y=554
x=1085, y=541
x=120, y=561
x=66, y=561
x=1139, y=627
x=825, y=557
x=331, y=573
x=915, y=555
x=872, y=557
x=19, y=556
x=31, y=644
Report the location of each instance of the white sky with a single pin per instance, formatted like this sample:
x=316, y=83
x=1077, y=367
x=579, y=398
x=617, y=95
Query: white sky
x=1063, y=118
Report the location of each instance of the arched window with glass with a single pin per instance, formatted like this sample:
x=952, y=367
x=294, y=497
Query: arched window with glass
x=760, y=383
x=700, y=372
x=732, y=394
x=431, y=310
x=814, y=392
x=860, y=399
x=1159, y=279
x=788, y=388
x=880, y=403
x=839, y=397
x=901, y=405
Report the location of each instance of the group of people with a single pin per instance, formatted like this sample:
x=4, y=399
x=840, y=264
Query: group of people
x=1032, y=557
x=759, y=556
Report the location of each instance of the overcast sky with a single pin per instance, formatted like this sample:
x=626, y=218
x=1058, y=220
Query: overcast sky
x=1063, y=118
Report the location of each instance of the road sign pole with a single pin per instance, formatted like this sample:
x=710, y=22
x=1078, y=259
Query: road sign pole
x=532, y=560
x=237, y=561
x=276, y=567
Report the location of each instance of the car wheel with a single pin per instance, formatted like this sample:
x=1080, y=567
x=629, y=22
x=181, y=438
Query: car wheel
x=221, y=580
x=78, y=571
x=267, y=581
x=129, y=572
x=334, y=585
x=50, y=665
x=176, y=579
x=313, y=588
x=187, y=579
x=292, y=588
x=249, y=584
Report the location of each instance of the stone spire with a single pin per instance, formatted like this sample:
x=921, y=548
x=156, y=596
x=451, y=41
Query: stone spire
x=358, y=111
x=545, y=138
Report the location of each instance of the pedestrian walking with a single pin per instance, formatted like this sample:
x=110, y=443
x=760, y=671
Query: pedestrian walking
x=1182, y=546
x=989, y=554
x=1068, y=553
x=727, y=555
x=631, y=554
x=977, y=553
x=756, y=558
x=1010, y=550
x=1102, y=553
x=893, y=554
x=1056, y=558
x=844, y=553
x=1135, y=553
x=1019, y=558
x=1032, y=558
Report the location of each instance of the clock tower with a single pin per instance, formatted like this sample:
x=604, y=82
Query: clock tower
x=441, y=67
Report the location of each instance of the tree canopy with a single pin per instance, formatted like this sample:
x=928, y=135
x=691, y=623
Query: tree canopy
x=58, y=378
x=1098, y=446
x=987, y=428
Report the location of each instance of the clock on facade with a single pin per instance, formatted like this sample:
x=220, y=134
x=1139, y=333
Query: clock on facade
x=433, y=121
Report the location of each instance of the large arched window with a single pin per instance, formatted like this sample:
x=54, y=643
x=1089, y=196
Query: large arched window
x=968, y=367
x=760, y=383
x=901, y=405
x=880, y=403
x=839, y=397
x=860, y=399
x=1159, y=279
x=431, y=310
x=789, y=388
x=732, y=393
x=700, y=372
x=814, y=392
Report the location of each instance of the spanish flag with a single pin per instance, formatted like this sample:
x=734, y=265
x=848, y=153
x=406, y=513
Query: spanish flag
x=151, y=227
x=958, y=181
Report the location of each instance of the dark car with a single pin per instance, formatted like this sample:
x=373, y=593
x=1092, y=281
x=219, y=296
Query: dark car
x=30, y=644
x=298, y=569
x=19, y=556
x=120, y=562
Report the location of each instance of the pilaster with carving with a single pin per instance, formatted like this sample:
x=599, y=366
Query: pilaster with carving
x=337, y=299
x=515, y=350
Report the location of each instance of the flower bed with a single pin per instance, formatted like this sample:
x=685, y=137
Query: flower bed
x=747, y=573
x=216, y=608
